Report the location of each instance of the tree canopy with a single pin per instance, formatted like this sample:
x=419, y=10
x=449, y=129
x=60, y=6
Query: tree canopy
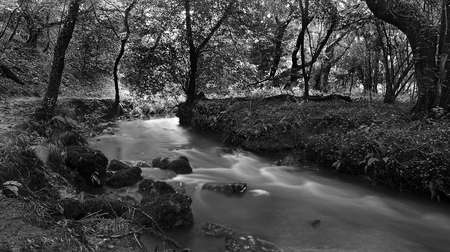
x=230, y=47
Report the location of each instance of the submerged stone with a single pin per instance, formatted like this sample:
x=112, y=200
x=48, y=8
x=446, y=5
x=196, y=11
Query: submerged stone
x=213, y=229
x=240, y=187
x=248, y=243
x=178, y=164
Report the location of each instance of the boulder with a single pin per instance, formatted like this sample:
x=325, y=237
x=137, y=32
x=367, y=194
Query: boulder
x=178, y=164
x=240, y=187
x=89, y=163
x=169, y=211
x=248, y=243
x=117, y=165
x=150, y=189
x=126, y=177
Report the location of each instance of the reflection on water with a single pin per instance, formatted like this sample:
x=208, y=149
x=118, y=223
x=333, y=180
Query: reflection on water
x=280, y=201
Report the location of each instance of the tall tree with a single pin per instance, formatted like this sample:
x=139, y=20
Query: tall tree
x=114, y=110
x=195, y=51
x=443, y=85
x=325, y=11
x=422, y=35
x=65, y=35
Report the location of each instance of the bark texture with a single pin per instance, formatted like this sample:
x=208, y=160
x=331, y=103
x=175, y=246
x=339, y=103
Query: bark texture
x=51, y=96
x=422, y=36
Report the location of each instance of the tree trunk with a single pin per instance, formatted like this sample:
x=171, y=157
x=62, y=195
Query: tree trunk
x=32, y=27
x=9, y=20
x=195, y=51
x=300, y=45
x=443, y=85
x=115, y=108
x=193, y=57
x=326, y=68
x=19, y=19
x=278, y=51
x=422, y=37
x=376, y=69
x=51, y=96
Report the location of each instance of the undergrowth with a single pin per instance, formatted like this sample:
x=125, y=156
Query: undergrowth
x=378, y=141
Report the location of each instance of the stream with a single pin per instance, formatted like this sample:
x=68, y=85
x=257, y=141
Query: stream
x=281, y=201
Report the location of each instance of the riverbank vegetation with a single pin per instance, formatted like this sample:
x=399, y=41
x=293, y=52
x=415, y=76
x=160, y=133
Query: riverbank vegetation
x=264, y=74
x=376, y=140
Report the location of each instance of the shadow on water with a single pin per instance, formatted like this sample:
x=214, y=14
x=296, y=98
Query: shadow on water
x=281, y=201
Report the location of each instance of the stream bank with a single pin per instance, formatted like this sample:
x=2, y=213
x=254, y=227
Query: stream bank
x=45, y=169
x=375, y=140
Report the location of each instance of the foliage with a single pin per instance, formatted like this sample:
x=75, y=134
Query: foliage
x=148, y=71
x=410, y=157
x=375, y=140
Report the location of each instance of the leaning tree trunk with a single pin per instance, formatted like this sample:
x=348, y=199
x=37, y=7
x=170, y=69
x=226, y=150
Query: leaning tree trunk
x=278, y=51
x=123, y=42
x=195, y=51
x=34, y=30
x=51, y=96
x=422, y=37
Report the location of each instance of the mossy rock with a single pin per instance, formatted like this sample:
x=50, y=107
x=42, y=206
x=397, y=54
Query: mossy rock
x=117, y=165
x=150, y=189
x=89, y=163
x=124, y=178
x=178, y=164
x=170, y=211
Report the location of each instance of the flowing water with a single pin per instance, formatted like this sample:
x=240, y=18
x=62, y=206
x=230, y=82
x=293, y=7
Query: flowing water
x=281, y=201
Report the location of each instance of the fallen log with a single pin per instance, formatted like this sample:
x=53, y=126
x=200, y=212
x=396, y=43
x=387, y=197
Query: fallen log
x=6, y=72
x=330, y=98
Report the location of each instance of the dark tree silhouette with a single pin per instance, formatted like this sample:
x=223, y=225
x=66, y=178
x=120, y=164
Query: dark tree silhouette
x=114, y=110
x=51, y=96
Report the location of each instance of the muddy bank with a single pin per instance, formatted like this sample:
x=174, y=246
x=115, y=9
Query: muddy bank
x=377, y=141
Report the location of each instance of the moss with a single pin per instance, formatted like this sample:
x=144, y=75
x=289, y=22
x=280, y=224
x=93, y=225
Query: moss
x=88, y=163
